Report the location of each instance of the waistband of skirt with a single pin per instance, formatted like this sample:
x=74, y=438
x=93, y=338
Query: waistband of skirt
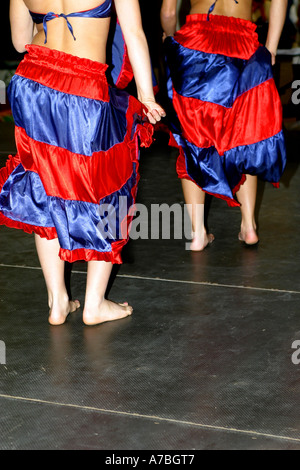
x=65, y=72
x=221, y=22
x=226, y=35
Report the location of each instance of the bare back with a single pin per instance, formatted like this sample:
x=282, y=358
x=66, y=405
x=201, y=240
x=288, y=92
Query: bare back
x=224, y=7
x=91, y=33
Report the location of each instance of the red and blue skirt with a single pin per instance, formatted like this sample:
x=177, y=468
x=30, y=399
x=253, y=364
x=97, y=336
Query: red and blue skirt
x=228, y=114
x=75, y=174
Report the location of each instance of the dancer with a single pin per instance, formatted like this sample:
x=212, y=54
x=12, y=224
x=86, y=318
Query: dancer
x=77, y=142
x=229, y=111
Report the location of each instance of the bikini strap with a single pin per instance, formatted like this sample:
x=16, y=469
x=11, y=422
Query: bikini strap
x=213, y=7
x=51, y=16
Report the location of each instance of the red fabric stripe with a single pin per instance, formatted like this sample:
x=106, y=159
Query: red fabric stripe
x=233, y=37
x=255, y=116
x=50, y=232
x=76, y=177
x=65, y=73
x=156, y=89
x=82, y=178
x=126, y=73
x=44, y=232
x=90, y=255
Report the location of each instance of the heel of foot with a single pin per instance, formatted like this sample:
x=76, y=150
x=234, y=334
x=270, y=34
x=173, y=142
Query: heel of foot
x=199, y=244
x=249, y=238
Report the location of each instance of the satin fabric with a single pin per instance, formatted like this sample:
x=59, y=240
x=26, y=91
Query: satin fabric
x=78, y=224
x=199, y=75
x=76, y=155
x=253, y=117
x=228, y=119
x=91, y=115
x=222, y=176
x=233, y=37
x=121, y=70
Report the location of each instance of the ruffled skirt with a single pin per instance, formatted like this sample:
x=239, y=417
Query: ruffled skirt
x=228, y=113
x=75, y=174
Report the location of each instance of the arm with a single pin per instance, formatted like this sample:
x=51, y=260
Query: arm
x=129, y=16
x=276, y=21
x=21, y=25
x=168, y=17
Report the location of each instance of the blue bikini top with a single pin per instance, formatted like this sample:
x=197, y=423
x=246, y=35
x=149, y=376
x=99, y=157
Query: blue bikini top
x=102, y=11
x=213, y=7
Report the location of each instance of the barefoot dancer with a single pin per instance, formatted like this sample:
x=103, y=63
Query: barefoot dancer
x=222, y=89
x=77, y=141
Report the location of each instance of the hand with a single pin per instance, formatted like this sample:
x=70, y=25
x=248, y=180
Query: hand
x=154, y=111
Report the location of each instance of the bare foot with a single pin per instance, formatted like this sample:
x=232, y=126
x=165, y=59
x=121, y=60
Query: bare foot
x=200, y=243
x=249, y=237
x=107, y=311
x=58, y=314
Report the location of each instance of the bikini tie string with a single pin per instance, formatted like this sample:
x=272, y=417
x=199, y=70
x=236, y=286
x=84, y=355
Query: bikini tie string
x=213, y=7
x=51, y=16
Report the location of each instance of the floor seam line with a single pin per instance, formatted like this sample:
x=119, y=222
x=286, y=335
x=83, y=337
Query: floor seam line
x=178, y=281
x=151, y=417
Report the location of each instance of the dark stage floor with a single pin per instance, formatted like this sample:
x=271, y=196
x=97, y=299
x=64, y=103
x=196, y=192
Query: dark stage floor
x=205, y=362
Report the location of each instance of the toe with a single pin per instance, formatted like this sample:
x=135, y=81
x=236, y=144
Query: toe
x=75, y=304
x=211, y=238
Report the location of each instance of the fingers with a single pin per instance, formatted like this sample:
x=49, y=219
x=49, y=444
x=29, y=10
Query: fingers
x=155, y=114
x=151, y=118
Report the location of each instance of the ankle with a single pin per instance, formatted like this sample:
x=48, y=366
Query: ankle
x=248, y=225
x=57, y=298
x=199, y=233
x=93, y=302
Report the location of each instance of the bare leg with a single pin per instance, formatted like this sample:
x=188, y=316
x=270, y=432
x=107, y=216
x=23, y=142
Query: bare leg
x=53, y=269
x=195, y=199
x=246, y=196
x=97, y=309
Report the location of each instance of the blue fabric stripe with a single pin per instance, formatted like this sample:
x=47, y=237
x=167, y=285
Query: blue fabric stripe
x=78, y=224
x=221, y=174
x=215, y=78
x=80, y=125
x=23, y=199
x=117, y=54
